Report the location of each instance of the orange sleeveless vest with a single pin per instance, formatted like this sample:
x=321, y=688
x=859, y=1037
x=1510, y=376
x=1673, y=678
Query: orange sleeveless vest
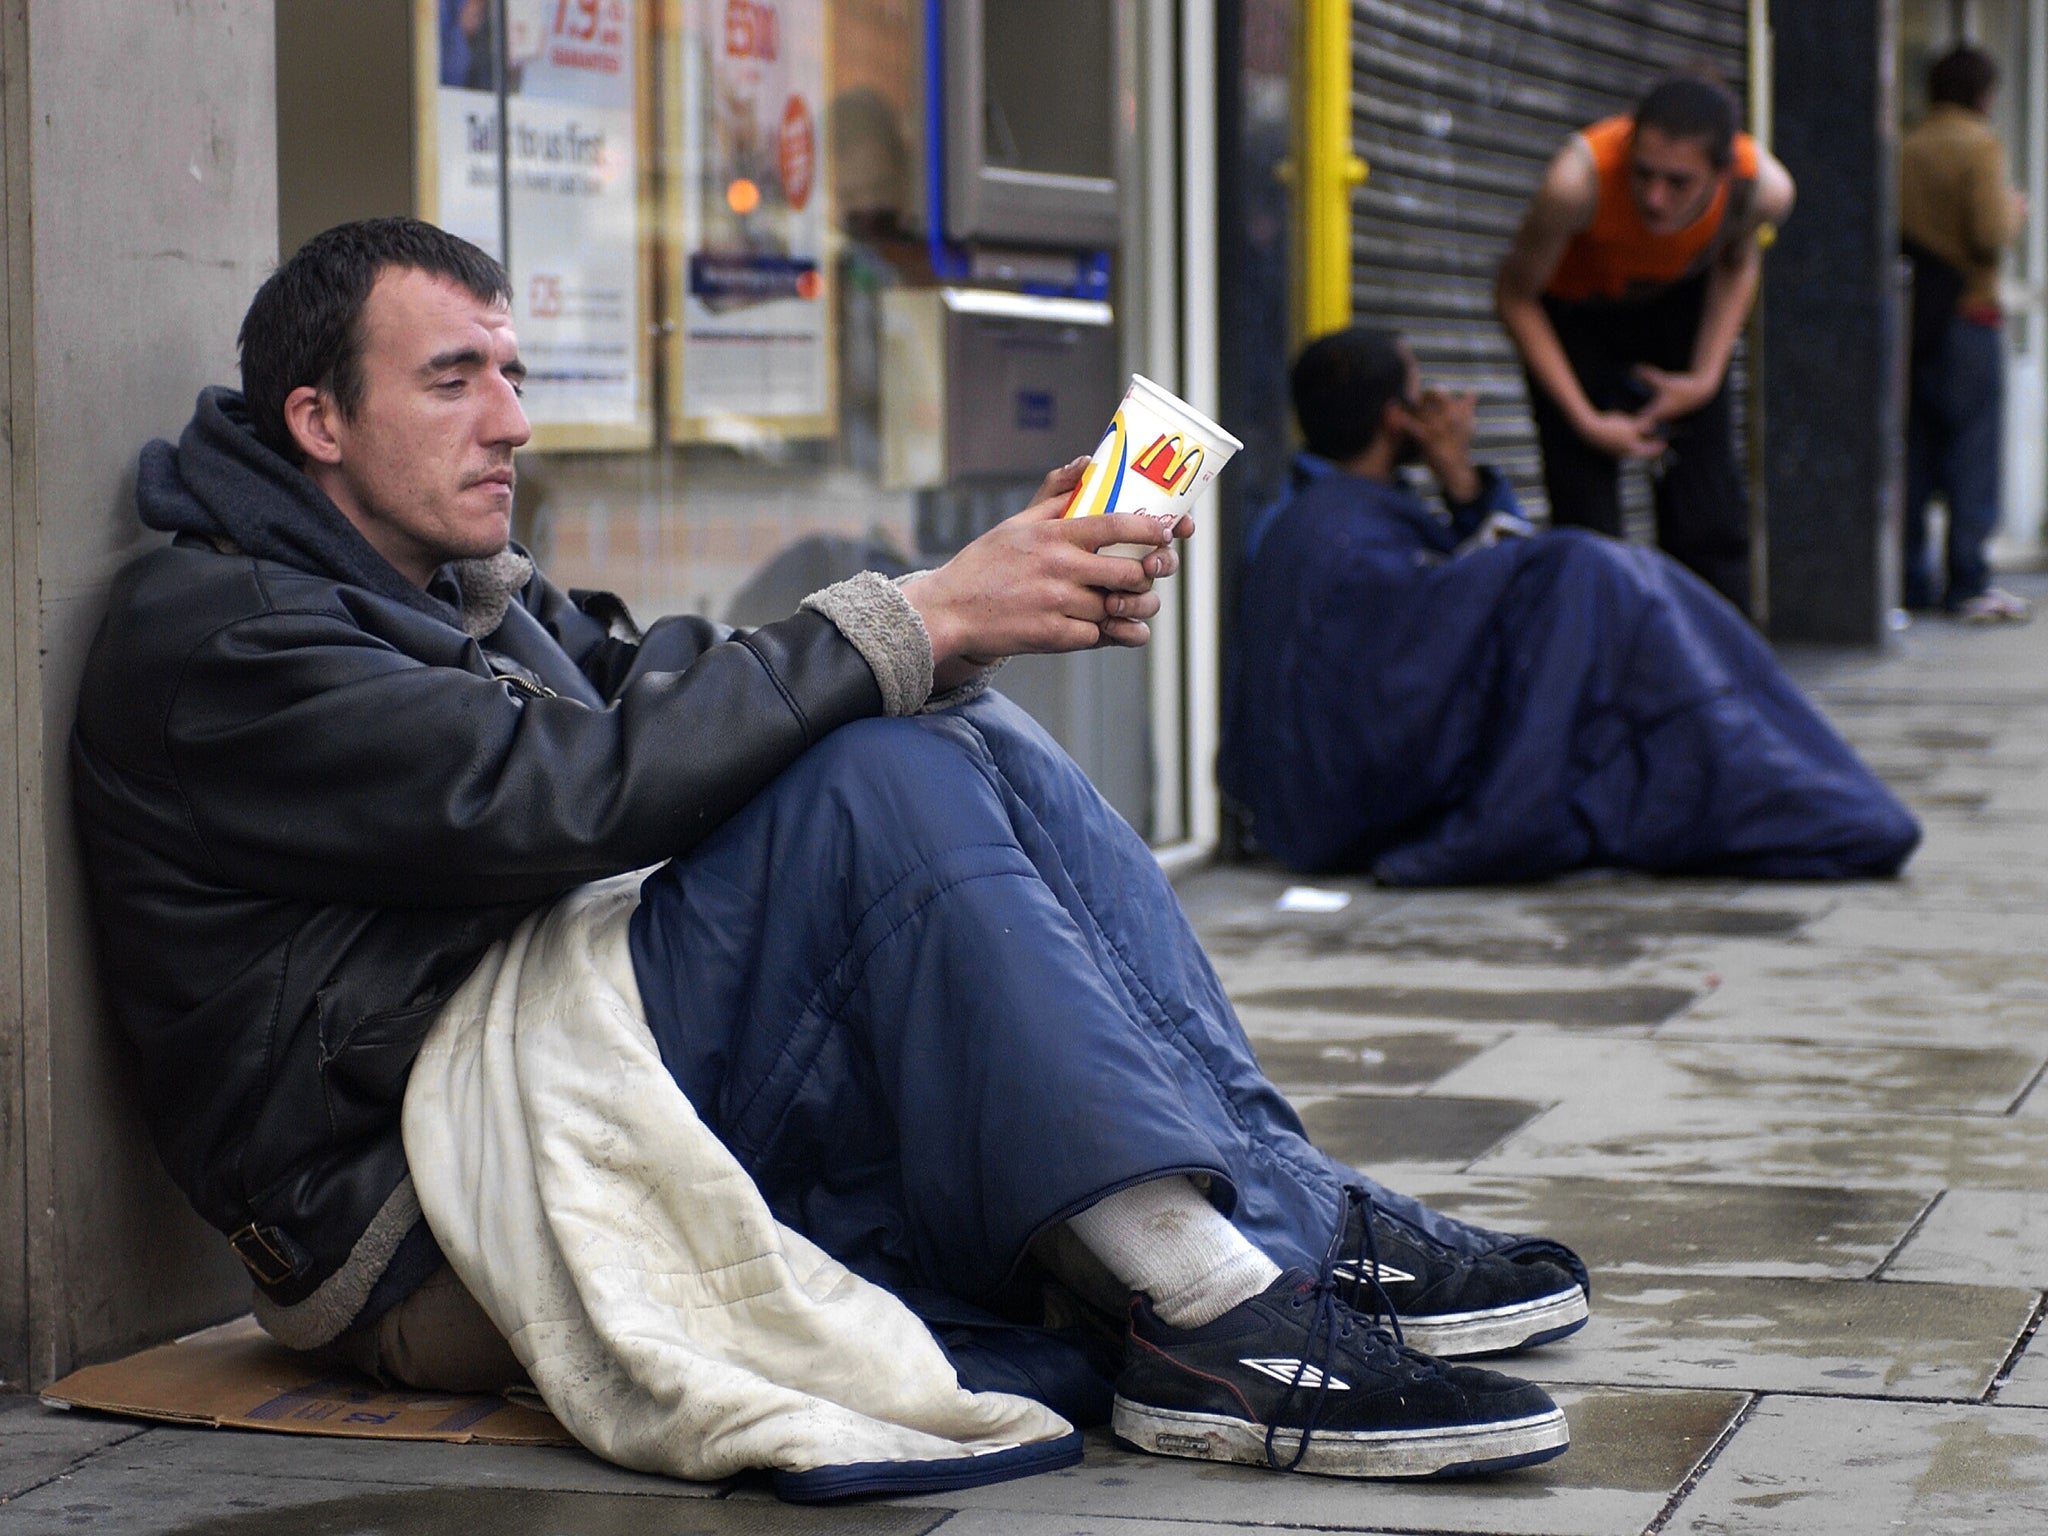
x=1614, y=257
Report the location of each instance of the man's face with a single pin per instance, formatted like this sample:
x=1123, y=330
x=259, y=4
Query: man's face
x=425, y=469
x=1671, y=180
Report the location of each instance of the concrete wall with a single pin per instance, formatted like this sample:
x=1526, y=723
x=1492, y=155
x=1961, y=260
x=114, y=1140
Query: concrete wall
x=140, y=187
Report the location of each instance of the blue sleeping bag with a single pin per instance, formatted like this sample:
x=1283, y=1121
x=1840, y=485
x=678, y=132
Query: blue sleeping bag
x=1518, y=710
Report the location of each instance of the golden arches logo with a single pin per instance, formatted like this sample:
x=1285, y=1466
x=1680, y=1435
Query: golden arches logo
x=1168, y=463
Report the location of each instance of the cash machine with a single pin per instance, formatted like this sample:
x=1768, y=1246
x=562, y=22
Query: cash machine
x=1007, y=361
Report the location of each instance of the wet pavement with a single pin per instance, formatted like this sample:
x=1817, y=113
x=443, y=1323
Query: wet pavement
x=1798, y=1132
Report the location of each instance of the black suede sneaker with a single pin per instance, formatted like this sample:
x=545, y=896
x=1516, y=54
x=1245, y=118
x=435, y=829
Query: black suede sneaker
x=1295, y=1380
x=1448, y=1304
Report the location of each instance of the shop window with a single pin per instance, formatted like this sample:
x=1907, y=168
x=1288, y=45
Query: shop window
x=716, y=217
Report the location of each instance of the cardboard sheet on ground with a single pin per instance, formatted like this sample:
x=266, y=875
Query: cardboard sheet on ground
x=237, y=1377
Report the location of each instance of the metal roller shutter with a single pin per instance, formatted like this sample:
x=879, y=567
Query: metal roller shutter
x=1457, y=106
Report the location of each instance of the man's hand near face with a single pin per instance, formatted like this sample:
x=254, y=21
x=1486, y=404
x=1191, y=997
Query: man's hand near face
x=1441, y=425
x=1035, y=584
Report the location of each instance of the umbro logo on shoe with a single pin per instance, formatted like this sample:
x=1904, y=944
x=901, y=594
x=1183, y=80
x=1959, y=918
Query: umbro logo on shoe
x=1284, y=1370
x=1364, y=1270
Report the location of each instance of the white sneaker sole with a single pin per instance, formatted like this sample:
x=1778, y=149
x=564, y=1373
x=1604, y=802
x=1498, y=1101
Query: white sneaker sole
x=1450, y=1335
x=1455, y=1450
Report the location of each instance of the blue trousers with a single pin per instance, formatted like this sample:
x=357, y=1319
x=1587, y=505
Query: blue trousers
x=1702, y=500
x=1954, y=427
x=936, y=996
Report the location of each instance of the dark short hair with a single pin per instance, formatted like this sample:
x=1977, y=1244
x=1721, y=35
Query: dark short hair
x=1961, y=76
x=304, y=327
x=1690, y=105
x=1342, y=384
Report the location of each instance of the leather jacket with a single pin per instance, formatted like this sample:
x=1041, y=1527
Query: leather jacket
x=309, y=800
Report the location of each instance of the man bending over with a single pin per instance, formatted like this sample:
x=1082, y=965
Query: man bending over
x=1624, y=292
x=339, y=737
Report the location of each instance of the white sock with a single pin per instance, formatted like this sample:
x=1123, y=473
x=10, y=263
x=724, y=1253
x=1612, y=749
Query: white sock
x=1164, y=1238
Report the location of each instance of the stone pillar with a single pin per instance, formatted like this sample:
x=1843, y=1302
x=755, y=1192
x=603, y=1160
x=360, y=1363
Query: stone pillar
x=1833, y=399
x=138, y=167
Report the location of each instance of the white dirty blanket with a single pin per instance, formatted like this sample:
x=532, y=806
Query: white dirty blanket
x=668, y=1320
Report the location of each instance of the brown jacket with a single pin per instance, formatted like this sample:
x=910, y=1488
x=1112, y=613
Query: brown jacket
x=1953, y=198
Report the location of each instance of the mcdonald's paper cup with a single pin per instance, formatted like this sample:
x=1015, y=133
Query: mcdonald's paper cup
x=1156, y=459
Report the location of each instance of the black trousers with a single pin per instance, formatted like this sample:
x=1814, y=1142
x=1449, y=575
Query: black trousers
x=1701, y=501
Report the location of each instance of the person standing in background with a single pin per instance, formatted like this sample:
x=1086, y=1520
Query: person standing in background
x=1956, y=216
x=1624, y=291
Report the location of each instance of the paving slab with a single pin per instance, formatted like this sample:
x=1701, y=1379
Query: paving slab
x=1518, y=969
x=179, y=1503
x=38, y=1443
x=1908, y=763
x=1904, y=1080
x=1404, y=992
x=319, y=1459
x=1810, y=1467
x=1008, y=1522
x=171, y=1502
x=1642, y=1226
x=1370, y=1131
x=2003, y=934
x=1979, y=1237
x=1861, y=1338
x=1904, y=1000
x=1857, y=943
x=1630, y=1450
x=1575, y=925
x=1969, y=866
x=1720, y=1139
x=1220, y=897
x=1623, y=1003
x=1966, y=739
x=2027, y=1387
x=2015, y=795
x=1246, y=892
x=1339, y=1058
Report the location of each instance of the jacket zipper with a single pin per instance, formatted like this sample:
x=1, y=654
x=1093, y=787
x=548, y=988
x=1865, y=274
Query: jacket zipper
x=528, y=686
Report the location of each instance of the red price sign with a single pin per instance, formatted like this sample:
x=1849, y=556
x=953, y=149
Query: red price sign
x=796, y=153
x=576, y=19
x=602, y=22
x=752, y=30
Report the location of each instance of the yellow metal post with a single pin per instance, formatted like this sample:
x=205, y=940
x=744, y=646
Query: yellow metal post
x=1327, y=170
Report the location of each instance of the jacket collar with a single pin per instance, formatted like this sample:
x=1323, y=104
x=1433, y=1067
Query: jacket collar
x=221, y=483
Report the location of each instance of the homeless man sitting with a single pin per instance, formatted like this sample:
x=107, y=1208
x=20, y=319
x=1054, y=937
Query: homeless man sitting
x=341, y=749
x=1451, y=697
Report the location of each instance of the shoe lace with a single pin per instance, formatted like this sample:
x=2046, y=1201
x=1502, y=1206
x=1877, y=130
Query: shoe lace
x=1365, y=1254
x=1333, y=1320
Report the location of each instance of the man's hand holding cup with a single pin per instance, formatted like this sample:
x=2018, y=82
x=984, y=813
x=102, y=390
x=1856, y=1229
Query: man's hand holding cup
x=1038, y=583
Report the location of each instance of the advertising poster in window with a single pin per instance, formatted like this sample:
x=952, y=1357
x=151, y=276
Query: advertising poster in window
x=571, y=169
x=751, y=352
x=458, y=162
